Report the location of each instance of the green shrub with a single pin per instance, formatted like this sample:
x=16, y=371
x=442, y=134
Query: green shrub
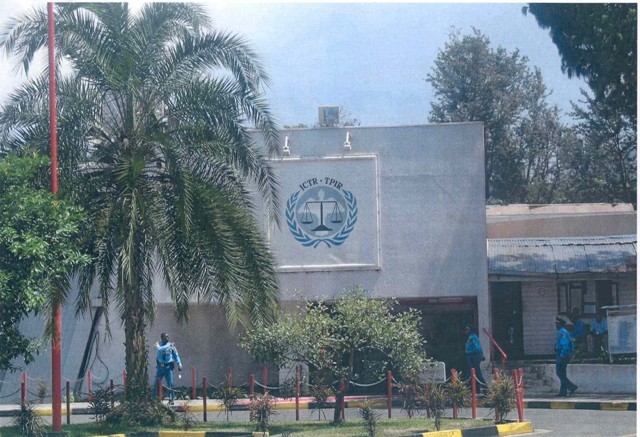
x=262, y=407
x=410, y=392
x=100, y=404
x=501, y=397
x=145, y=412
x=435, y=399
x=229, y=395
x=28, y=422
x=457, y=393
x=370, y=418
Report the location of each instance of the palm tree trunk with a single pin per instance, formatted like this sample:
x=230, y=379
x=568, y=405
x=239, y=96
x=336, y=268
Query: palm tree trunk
x=135, y=347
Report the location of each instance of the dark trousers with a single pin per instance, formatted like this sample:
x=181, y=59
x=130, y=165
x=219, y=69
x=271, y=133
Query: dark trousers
x=165, y=373
x=561, y=370
x=473, y=362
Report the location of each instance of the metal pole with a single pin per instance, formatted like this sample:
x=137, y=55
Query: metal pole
x=252, y=385
x=521, y=381
x=474, y=395
x=204, y=399
x=111, y=387
x=89, y=396
x=56, y=317
x=229, y=377
x=297, y=393
x=68, y=403
x=454, y=377
x=264, y=379
x=193, y=383
x=389, y=392
x=342, y=385
x=495, y=378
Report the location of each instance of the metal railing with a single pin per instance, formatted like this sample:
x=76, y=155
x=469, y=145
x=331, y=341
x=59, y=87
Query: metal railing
x=495, y=346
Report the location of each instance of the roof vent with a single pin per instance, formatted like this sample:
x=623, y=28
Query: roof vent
x=329, y=115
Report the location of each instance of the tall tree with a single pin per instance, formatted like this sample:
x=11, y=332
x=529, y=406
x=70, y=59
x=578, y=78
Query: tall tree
x=355, y=339
x=153, y=141
x=474, y=82
x=38, y=250
x=597, y=41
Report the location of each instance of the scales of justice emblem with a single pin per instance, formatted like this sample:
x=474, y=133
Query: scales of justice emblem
x=321, y=212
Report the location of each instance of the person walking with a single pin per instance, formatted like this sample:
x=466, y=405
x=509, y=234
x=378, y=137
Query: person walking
x=564, y=353
x=597, y=338
x=167, y=358
x=473, y=351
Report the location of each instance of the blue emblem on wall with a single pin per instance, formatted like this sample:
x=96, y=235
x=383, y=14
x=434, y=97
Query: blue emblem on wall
x=321, y=212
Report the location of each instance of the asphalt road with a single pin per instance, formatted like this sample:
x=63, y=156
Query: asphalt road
x=546, y=422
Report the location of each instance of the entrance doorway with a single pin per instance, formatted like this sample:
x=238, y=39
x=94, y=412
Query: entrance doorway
x=506, y=313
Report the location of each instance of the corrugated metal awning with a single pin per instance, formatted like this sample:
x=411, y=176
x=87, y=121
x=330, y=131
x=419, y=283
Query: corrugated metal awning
x=527, y=256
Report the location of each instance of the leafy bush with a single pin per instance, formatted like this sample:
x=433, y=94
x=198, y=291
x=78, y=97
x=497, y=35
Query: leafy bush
x=100, y=404
x=287, y=389
x=229, y=396
x=185, y=417
x=370, y=418
x=320, y=392
x=28, y=422
x=410, y=393
x=501, y=397
x=144, y=412
x=262, y=407
x=457, y=393
x=435, y=400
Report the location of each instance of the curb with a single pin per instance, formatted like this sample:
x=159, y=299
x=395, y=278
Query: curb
x=485, y=431
x=582, y=405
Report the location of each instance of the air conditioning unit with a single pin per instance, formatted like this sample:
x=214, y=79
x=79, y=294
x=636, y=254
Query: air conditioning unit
x=329, y=115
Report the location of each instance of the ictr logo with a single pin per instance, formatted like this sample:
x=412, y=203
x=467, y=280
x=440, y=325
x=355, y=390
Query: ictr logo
x=321, y=212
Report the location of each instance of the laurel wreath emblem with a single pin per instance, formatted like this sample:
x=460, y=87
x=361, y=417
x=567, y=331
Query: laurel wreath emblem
x=336, y=240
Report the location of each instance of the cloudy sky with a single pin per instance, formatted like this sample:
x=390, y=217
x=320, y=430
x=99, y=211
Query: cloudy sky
x=371, y=58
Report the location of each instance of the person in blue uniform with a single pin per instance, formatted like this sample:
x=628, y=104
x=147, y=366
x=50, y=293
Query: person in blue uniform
x=564, y=352
x=597, y=338
x=166, y=359
x=473, y=351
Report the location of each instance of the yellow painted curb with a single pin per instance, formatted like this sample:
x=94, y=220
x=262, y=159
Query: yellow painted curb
x=111, y=435
x=515, y=428
x=49, y=411
x=179, y=433
x=617, y=406
x=360, y=404
x=447, y=433
x=561, y=406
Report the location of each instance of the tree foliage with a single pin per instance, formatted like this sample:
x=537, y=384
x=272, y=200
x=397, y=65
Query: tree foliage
x=38, y=250
x=523, y=134
x=356, y=339
x=153, y=139
x=598, y=42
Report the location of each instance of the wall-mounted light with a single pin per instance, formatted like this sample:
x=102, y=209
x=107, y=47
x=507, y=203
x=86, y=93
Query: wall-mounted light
x=286, y=150
x=347, y=142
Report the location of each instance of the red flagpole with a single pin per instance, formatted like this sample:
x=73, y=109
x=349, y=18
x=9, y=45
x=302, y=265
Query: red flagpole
x=56, y=373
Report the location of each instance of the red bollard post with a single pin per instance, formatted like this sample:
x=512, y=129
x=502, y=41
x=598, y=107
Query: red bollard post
x=252, y=385
x=194, y=394
x=89, y=396
x=264, y=379
x=342, y=400
x=298, y=371
x=521, y=380
x=454, y=377
x=495, y=378
x=159, y=388
x=474, y=394
x=389, y=392
x=23, y=387
x=124, y=385
x=426, y=391
x=68, y=403
x=113, y=395
x=204, y=399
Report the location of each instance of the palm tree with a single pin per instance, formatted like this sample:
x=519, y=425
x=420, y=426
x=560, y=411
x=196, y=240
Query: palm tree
x=154, y=113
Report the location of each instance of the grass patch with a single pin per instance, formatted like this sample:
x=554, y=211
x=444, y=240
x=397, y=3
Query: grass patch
x=349, y=428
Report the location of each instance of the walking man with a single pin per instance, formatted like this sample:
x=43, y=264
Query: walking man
x=166, y=358
x=475, y=356
x=564, y=352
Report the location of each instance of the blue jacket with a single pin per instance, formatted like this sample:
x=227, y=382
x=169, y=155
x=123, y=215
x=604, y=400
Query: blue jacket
x=473, y=344
x=564, y=345
x=167, y=354
x=598, y=327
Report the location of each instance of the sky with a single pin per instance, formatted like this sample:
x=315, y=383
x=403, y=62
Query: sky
x=369, y=58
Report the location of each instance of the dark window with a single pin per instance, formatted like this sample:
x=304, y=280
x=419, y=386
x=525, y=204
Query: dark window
x=588, y=300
